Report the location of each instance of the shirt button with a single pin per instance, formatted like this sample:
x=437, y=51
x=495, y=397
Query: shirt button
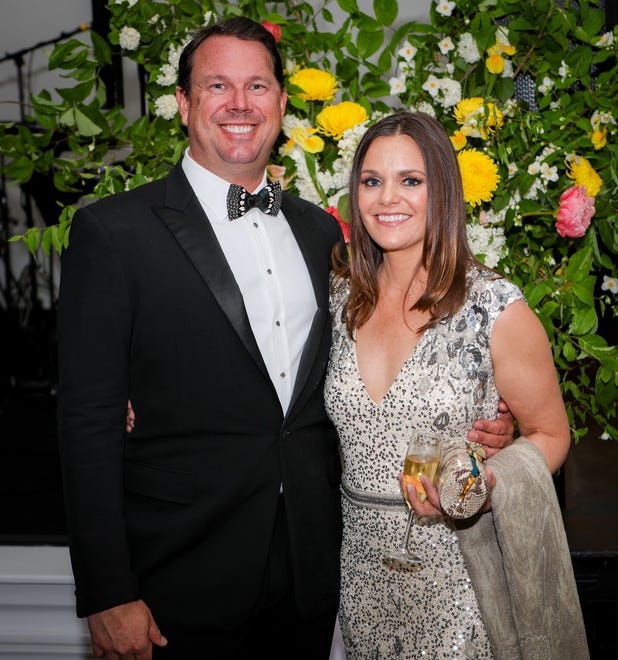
x=277, y=323
x=269, y=271
x=255, y=224
x=282, y=374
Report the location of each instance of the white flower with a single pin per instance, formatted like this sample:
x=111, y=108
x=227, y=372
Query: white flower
x=599, y=119
x=129, y=38
x=549, y=173
x=446, y=45
x=605, y=40
x=487, y=242
x=534, y=168
x=512, y=170
x=425, y=107
x=444, y=7
x=509, y=107
x=432, y=85
x=610, y=284
x=173, y=56
x=167, y=76
x=166, y=106
x=536, y=187
x=491, y=217
x=398, y=85
x=407, y=51
x=209, y=17
x=502, y=36
x=546, y=85
x=564, y=71
x=450, y=92
x=508, y=69
x=467, y=49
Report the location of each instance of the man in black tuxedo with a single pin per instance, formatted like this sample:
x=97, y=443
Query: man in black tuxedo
x=217, y=520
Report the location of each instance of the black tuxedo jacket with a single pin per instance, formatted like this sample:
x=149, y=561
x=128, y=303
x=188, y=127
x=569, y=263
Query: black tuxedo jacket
x=180, y=511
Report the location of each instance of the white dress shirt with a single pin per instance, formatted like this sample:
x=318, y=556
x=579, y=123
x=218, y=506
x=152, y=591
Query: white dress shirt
x=270, y=271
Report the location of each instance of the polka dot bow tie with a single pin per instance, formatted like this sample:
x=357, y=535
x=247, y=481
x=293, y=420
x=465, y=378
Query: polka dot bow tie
x=239, y=200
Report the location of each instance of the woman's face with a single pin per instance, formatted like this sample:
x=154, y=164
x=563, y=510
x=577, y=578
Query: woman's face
x=392, y=194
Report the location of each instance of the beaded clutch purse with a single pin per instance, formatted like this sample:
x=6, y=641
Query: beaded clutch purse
x=462, y=485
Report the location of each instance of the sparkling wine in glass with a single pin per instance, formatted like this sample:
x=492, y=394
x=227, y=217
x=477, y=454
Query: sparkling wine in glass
x=422, y=458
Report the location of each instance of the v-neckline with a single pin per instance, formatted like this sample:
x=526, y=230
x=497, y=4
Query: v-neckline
x=397, y=375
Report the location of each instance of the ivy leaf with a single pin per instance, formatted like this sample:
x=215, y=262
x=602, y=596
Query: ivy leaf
x=386, y=11
x=348, y=6
x=343, y=207
x=584, y=321
x=584, y=290
x=102, y=51
x=536, y=292
x=579, y=265
x=598, y=348
x=21, y=168
x=85, y=125
x=62, y=51
x=369, y=42
x=569, y=352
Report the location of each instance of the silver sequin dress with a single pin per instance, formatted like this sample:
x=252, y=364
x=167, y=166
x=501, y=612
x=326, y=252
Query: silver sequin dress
x=445, y=384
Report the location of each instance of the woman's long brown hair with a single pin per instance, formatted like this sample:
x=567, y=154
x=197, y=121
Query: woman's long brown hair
x=446, y=253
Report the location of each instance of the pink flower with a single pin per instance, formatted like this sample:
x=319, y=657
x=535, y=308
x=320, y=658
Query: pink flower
x=275, y=30
x=576, y=210
x=345, y=227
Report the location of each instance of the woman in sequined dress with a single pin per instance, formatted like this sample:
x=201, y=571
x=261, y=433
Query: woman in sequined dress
x=424, y=337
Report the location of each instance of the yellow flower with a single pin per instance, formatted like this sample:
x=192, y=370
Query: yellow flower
x=500, y=48
x=477, y=117
x=582, y=172
x=316, y=85
x=479, y=175
x=458, y=139
x=598, y=137
x=305, y=138
x=495, y=64
x=334, y=120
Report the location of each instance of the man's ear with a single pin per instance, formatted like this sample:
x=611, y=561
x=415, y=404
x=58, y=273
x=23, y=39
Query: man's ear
x=183, y=105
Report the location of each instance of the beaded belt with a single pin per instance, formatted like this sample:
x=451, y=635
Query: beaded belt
x=372, y=500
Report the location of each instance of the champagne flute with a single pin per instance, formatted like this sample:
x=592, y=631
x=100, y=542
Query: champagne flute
x=422, y=458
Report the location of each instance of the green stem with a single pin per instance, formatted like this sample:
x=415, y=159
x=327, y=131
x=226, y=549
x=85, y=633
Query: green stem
x=311, y=166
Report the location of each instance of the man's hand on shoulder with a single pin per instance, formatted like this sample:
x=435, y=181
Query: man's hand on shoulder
x=495, y=434
x=124, y=632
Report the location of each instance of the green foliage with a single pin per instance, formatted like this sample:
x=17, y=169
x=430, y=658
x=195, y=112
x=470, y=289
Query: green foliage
x=557, y=49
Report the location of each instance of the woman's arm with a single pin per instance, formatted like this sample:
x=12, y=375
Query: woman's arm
x=526, y=379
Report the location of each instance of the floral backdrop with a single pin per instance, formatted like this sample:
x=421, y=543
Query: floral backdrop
x=526, y=91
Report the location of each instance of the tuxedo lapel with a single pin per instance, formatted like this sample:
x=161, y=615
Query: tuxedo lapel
x=185, y=218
